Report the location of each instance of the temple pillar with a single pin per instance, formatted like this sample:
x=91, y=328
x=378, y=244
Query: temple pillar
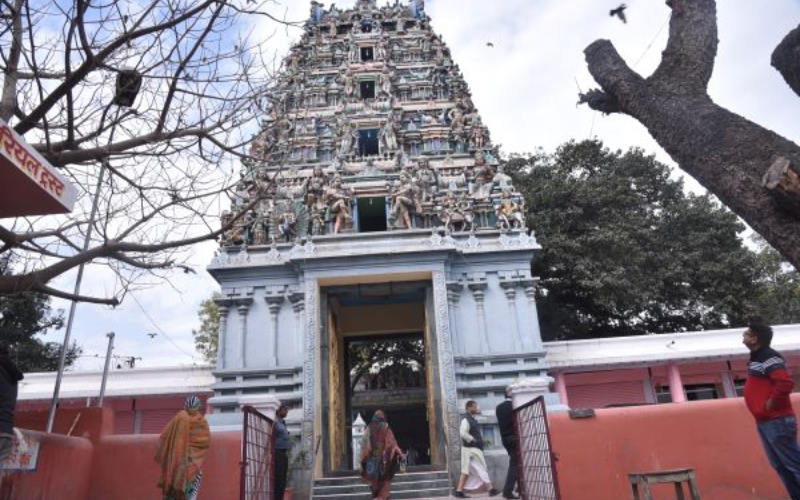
x=478, y=289
x=675, y=384
x=243, y=306
x=561, y=387
x=224, y=306
x=274, y=303
x=510, y=290
x=454, y=289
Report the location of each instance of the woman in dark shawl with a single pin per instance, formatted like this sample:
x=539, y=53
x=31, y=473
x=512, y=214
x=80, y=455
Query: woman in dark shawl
x=379, y=456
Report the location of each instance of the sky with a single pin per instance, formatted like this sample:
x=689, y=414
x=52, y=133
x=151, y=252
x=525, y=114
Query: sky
x=525, y=88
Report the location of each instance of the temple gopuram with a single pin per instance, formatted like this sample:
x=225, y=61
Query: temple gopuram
x=381, y=257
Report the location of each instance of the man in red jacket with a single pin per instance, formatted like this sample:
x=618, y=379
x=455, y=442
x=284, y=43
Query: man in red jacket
x=767, y=396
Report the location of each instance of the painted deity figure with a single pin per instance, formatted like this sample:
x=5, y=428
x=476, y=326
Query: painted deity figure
x=315, y=188
x=387, y=137
x=354, y=54
x=381, y=50
x=510, y=214
x=478, y=135
x=456, y=213
x=426, y=180
x=482, y=182
x=287, y=220
x=348, y=83
x=337, y=198
x=347, y=138
x=457, y=120
x=405, y=200
x=385, y=82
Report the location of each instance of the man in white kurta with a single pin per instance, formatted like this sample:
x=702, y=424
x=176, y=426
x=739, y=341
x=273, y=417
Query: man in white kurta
x=474, y=472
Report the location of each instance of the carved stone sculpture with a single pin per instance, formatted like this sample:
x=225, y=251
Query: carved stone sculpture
x=510, y=214
x=337, y=198
x=456, y=213
x=387, y=137
x=405, y=200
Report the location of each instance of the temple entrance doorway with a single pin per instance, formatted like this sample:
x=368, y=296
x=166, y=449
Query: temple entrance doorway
x=388, y=373
x=377, y=355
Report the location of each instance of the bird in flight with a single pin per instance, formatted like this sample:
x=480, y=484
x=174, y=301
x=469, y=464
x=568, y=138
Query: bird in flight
x=489, y=44
x=619, y=12
x=152, y=335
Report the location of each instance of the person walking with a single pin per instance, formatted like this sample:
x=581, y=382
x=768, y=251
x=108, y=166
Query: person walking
x=766, y=393
x=505, y=419
x=10, y=376
x=182, y=449
x=282, y=446
x=379, y=456
x=473, y=463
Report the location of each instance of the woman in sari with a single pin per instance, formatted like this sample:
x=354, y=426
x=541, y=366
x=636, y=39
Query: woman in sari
x=182, y=448
x=379, y=456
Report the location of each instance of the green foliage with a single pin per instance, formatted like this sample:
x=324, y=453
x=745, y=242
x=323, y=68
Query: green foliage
x=297, y=461
x=24, y=317
x=778, y=294
x=626, y=251
x=206, y=339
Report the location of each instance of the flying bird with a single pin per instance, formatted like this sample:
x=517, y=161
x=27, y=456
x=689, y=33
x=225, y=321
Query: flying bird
x=489, y=44
x=152, y=335
x=619, y=12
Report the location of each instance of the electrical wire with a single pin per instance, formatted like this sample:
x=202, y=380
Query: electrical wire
x=162, y=332
x=650, y=45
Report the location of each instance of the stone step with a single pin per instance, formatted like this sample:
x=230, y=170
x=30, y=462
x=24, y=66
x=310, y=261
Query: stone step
x=399, y=478
x=415, y=494
x=396, y=486
x=416, y=485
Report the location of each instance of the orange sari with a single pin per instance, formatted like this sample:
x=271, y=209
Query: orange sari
x=182, y=449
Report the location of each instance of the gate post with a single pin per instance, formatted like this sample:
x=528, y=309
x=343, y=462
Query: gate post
x=358, y=431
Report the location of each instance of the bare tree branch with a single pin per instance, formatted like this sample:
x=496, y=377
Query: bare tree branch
x=728, y=154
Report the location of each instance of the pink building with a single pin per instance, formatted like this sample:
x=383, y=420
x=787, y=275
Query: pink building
x=596, y=373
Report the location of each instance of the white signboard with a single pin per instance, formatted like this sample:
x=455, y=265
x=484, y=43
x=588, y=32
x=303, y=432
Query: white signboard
x=24, y=453
x=20, y=161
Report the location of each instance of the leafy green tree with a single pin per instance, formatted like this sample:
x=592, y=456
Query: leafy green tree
x=626, y=251
x=206, y=339
x=24, y=318
x=778, y=297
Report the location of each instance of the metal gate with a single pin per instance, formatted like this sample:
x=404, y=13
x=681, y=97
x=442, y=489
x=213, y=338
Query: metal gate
x=536, y=463
x=258, y=450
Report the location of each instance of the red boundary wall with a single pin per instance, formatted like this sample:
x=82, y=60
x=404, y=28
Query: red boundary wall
x=716, y=438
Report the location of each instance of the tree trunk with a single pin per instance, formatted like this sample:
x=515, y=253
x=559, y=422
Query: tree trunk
x=728, y=154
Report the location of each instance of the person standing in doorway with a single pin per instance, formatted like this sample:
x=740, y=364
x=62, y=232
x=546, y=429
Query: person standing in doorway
x=474, y=472
x=766, y=393
x=10, y=376
x=505, y=419
x=380, y=456
x=283, y=445
x=182, y=449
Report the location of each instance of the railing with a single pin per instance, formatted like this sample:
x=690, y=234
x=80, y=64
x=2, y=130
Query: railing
x=258, y=450
x=536, y=465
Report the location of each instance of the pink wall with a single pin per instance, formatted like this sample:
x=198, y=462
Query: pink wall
x=124, y=468
x=63, y=472
x=716, y=438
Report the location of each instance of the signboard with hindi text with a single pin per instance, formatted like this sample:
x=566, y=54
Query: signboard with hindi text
x=29, y=184
x=24, y=455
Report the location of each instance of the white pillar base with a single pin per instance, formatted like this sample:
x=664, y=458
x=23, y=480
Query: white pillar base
x=264, y=403
x=526, y=390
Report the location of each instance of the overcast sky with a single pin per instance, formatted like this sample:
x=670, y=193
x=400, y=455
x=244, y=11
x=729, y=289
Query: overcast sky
x=525, y=89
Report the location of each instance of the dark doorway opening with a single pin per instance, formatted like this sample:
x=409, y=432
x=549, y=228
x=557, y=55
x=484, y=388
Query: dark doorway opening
x=388, y=373
x=367, y=89
x=371, y=214
x=367, y=54
x=368, y=142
